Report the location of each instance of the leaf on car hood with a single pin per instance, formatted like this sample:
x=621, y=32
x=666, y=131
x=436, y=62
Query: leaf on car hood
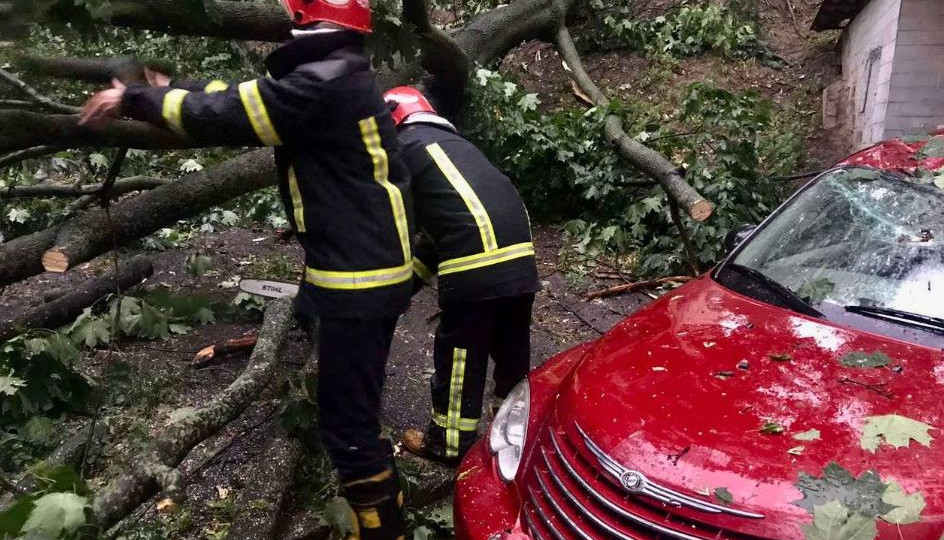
x=833, y=521
x=808, y=435
x=862, y=495
x=896, y=430
x=862, y=359
x=908, y=505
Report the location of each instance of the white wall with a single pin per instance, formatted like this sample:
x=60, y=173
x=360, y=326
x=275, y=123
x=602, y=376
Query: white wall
x=869, y=45
x=917, y=81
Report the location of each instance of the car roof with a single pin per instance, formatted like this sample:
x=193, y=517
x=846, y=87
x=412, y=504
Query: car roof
x=899, y=155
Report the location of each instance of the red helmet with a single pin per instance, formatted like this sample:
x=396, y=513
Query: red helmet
x=353, y=14
x=409, y=100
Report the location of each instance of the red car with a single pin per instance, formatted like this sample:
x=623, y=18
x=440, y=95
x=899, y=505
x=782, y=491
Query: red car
x=795, y=392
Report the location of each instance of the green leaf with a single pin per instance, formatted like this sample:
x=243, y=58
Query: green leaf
x=815, y=291
x=897, y=431
x=908, y=506
x=197, y=265
x=862, y=495
x=529, y=102
x=934, y=148
x=56, y=513
x=18, y=215
x=833, y=521
x=723, y=495
x=90, y=330
x=203, y=316
x=862, y=359
x=9, y=385
x=809, y=435
x=341, y=518
x=771, y=428
x=422, y=533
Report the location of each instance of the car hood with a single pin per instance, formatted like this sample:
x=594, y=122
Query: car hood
x=682, y=390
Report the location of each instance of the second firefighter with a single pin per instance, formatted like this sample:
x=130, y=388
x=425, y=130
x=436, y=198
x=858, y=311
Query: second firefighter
x=476, y=238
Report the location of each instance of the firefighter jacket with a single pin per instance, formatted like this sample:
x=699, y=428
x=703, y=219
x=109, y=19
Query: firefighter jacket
x=344, y=187
x=477, y=238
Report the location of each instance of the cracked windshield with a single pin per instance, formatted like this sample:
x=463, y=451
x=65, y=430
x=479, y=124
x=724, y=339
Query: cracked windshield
x=858, y=238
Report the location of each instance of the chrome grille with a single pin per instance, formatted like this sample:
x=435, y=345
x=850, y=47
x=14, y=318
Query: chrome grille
x=573, y=495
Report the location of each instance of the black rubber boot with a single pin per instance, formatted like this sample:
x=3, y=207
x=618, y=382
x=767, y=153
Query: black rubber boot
x=377, y=503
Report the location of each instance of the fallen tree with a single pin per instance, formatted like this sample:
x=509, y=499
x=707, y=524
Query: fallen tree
x=90, y=234
x=65, y=308
x=154, y=467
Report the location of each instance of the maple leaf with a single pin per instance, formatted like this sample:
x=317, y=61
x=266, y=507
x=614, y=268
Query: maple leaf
x=55, y=513
x=863, y=495
x=833, y=521
x=908, y=507
x=896, y=430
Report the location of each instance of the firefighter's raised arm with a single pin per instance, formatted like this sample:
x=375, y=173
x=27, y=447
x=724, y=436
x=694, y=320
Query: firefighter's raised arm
x=261, y=111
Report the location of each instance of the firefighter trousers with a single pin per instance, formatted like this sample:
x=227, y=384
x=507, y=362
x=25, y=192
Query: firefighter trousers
x=468, y=334
x=351, y=372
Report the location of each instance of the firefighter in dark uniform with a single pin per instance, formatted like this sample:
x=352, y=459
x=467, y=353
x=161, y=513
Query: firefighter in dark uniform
x=346, y=192
x=476, y=239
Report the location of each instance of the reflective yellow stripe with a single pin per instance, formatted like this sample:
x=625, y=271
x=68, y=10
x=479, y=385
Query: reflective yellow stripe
x=487, y=258
x=215, y=86
x=455, y=403
x=422, y=271
x=379, y=477
x=172, y=108
x=371, y=138
x=468, y=195
x=465, y=424
x=369, y=518
x=367, y=279
x=257, y=113
x=298, y=205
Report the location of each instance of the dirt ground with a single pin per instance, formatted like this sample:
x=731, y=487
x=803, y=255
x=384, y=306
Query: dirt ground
x=165, y=381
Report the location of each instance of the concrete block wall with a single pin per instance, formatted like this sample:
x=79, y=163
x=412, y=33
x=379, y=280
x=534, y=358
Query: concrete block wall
x=916, y=101
x=868, y=61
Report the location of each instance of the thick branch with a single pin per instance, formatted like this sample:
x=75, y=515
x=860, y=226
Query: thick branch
x=89, y=235
x=25, y=129
x=493, y=33
x=66, y=308
x=169, y=447
x=11, y=80
x=97, y=70
x=125, y=185
x=27, y=153
x=642, y=157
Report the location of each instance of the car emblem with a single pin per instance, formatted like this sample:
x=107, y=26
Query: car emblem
x=633, y=481
x=636, y=483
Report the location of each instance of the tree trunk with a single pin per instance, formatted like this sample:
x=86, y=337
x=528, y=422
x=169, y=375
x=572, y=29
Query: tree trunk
x=155, y=465
x=21, y=129
x=66, y=308
x=125, y=185
x=260, y=502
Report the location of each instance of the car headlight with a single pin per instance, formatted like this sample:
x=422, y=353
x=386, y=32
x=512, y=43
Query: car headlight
x=510, y=430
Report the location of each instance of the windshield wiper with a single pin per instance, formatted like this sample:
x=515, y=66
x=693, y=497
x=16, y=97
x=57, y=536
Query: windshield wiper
x=933, y=324
x=793, y=301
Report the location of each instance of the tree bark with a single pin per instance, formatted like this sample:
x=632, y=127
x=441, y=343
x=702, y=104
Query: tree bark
x=155, y=465
x=66, y=308
x=89, y=235
x=642, y=157
x=629, y=287
x=96, y=70
x=261, y=500
x=21, y=129
x=27, y=153
x=125, y=185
